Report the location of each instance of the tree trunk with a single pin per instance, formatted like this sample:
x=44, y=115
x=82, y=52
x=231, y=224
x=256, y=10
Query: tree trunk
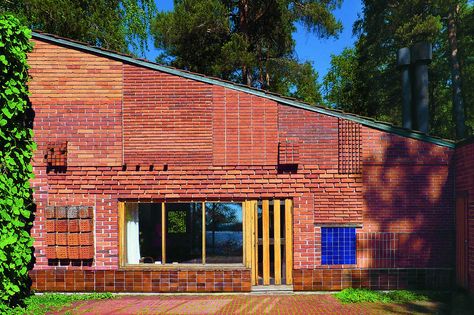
x=458, y=104
x=243, y=27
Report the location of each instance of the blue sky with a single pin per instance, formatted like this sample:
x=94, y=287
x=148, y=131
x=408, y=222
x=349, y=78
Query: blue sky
x=308, y=47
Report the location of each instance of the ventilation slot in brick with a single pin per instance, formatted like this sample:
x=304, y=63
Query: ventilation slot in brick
x=349, y=147
x=69, y=235
x=288, y=156
x=56, y=157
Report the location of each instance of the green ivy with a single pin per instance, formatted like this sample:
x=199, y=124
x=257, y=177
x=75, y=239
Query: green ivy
x=16, y=150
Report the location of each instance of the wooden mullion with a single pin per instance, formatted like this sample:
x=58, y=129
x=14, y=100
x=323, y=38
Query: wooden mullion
x=277, y=240
x=289, y=241
x=244, y=233
x=247, y=226
x=122, y=233
x=163, y=233
x=255, y=242
x=266, y=241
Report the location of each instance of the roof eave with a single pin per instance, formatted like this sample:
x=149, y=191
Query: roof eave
x=268, y=95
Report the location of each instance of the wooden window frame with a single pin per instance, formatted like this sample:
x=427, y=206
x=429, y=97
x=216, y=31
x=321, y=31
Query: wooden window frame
x=122, y=208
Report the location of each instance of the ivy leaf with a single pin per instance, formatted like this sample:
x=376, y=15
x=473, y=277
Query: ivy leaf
x=6, y=112
x=7, y=241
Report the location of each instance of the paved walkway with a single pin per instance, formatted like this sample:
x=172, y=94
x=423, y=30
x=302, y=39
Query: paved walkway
x=244, y=304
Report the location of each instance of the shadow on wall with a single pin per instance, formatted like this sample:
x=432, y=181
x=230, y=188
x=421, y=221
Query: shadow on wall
x=409, y=206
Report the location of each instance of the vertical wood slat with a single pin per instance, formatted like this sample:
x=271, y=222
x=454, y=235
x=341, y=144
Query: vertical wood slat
x=277, y=240
x=163, y=233
x=255, y=241
x=244, y=232
x=289, y=241
x=249, y=234
x=266, y=241
x=248, y=248
x=122, y=253
x=203, y=227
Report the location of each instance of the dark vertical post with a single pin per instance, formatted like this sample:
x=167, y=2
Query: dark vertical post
x=403, y=62
x=421, y=55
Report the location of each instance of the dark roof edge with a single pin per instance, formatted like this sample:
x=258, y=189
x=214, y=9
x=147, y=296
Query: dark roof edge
x=280, y=99
x=465, y=141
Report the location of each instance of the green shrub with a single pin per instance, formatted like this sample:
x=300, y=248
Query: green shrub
x=50, y=302
x=364, y=295
x=16, y=203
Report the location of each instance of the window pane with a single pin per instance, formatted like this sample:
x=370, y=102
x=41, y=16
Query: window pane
x=143, y=233
x=224, y=233
x=183, y=233
x=150, y=232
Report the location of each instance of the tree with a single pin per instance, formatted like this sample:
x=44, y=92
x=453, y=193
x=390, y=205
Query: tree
x=465, y=34
x=121, y=25
x=338, y=84
x=458, y=103
x=386, y=26
x=248, y=42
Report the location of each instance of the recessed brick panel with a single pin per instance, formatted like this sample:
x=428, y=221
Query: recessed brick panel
x=167, y=119
x=245, y=129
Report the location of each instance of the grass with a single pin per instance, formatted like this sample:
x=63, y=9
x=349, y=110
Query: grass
x=364, y=295
x=49, y=302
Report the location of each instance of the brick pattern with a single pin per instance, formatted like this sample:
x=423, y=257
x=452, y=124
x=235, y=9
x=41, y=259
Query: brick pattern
x=56, y=156
x=167, y=119
x=464, y=168
x=69, y=233
x=377, y=250
x=349, y=147
x=403, y=250
x=236, y=280
x=375, y=279
x=77, y=97
x=245, y=129
x=288, y=152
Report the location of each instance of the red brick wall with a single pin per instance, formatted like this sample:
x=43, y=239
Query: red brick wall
x=220, y=144
x=244, y=128
x=167, y=119
x=77, y=97
x=464, y=163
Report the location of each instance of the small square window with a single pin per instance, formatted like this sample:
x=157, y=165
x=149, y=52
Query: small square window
x=338, y=245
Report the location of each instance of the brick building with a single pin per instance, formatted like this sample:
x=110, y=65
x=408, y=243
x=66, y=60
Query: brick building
x=153, y=179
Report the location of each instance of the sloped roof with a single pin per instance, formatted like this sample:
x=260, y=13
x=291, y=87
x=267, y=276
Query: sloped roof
x=365, y=121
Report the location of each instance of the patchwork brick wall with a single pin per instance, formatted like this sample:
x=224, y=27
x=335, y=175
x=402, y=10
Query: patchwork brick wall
x=464, y=162
x=150, y=136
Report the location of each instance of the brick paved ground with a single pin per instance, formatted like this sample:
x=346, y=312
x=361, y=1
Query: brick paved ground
x=245, y=304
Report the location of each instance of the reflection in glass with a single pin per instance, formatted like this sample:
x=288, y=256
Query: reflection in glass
x=224, y=233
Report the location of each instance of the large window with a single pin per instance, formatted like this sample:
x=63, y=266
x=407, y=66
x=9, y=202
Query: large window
x=183, y=233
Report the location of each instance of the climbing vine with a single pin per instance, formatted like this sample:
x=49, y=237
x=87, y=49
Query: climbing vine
x=16, y=150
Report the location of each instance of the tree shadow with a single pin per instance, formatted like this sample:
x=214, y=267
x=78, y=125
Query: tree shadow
x=408, y=189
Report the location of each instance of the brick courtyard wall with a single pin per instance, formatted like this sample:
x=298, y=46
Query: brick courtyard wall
x=134, y=134
x=465, y=186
